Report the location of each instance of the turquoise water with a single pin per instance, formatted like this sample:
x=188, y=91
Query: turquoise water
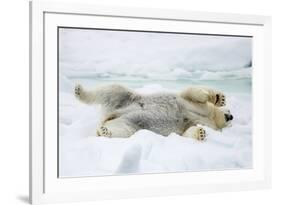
x=233, y=86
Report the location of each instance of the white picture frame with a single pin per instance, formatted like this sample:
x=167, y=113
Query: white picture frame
x=46, y=187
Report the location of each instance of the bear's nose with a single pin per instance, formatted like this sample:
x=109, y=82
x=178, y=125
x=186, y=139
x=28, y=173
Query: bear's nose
x=228, y=117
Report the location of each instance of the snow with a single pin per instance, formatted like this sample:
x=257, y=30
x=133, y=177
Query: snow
x=82, y=153
x=107, y=54
x=148, y=63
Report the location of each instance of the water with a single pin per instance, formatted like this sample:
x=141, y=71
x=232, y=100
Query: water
x=229, y=85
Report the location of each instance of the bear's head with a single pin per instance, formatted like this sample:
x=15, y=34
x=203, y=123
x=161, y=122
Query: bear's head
x=222, y=117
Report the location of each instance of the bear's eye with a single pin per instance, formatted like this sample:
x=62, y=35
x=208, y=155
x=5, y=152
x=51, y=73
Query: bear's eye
x=185, y=119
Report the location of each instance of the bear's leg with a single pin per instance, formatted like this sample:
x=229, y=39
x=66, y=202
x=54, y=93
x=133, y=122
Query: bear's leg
x=203, y=94
x=216, y=97
x=195, y=94
x=111, y=96
x=117, y=128
x=195, y=132
x=82, y=95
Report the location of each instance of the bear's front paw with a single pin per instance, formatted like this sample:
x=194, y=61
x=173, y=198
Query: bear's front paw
x=199, y=134
x=78, y=90
x=220, y=100
x=103, y=131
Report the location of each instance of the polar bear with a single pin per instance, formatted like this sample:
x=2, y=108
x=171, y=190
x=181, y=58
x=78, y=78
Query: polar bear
x=126, y=111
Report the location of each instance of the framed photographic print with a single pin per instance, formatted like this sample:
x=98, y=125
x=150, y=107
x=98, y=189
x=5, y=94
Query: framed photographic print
x=129, y=102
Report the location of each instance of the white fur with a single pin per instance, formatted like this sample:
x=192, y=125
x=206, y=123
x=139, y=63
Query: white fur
x=127, y=111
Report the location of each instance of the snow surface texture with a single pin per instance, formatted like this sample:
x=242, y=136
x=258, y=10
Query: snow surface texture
x=92, y=57
x=144, y=55
x=82, y=153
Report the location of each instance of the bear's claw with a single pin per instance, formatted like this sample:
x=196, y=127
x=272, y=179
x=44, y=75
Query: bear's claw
x=103, y=131
x=200, y=134
x=220, y=100
x=78, y=90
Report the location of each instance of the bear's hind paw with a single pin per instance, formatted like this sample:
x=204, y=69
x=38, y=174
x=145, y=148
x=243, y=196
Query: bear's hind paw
x=78, y=90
